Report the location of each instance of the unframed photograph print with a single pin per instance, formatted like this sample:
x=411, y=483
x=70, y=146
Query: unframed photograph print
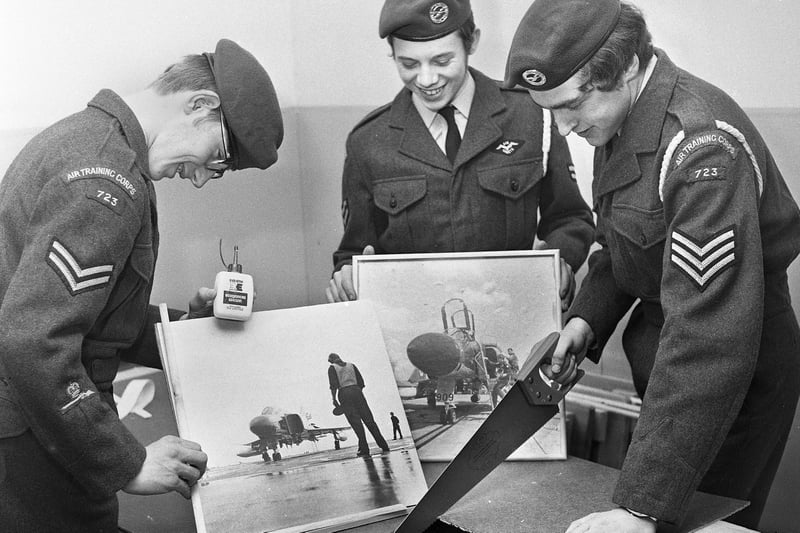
x=256, y=395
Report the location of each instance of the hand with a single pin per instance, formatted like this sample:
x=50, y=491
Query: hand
x=172, y=464
x=573, y=341
x=202, y=304
x=340, y=288
x=614, y=521
x=567, y=290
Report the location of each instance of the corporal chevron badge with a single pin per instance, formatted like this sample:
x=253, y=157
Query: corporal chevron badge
x=703, y=261
x=77, y=278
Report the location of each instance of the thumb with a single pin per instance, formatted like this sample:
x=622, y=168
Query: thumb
x=559, y=355
x=201, y=298
x=369, y=250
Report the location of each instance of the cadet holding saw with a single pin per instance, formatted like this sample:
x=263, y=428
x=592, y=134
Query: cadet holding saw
x=697, y=228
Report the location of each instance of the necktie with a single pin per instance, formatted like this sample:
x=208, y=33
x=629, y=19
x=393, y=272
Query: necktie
x=453, y=139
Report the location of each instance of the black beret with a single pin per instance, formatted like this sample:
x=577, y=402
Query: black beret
x=250, y=106
x=556, y=38
x=422, y=20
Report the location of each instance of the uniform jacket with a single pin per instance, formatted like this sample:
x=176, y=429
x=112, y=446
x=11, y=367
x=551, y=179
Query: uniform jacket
x=79, y=243
x=696, y=222
x=401, y=194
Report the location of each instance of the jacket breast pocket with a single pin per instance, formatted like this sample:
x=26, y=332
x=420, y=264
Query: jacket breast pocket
x=122, y=318
x=402, y=200
x=12, y=421
x=638, y=245
x=511, y=181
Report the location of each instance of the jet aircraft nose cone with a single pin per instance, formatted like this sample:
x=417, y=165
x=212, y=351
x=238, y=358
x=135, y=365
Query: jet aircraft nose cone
x=436, y=354
x=263, y=427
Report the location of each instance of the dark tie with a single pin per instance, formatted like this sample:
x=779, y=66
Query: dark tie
x=453, y=139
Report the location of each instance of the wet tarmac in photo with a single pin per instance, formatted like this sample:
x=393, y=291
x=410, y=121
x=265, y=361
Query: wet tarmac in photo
x=436, y=441
x=258, y=496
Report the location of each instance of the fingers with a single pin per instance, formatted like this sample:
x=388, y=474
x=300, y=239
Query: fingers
x=332, y=292
x=340, y=287
x=369, y=250
x=201, y=305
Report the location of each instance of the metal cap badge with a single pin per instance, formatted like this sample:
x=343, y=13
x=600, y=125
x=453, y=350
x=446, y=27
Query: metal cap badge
x=555, y=38
x=422, y=20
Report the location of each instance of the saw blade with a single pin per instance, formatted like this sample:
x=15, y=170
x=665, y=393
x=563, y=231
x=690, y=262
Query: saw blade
x=530, y=400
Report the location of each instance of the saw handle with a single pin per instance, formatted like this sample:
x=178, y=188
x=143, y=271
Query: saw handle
x=531, y=377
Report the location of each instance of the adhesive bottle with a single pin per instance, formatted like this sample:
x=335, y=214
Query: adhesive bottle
x=234, y=299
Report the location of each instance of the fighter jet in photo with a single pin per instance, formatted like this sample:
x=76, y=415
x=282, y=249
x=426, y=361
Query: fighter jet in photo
x=455, y=362
x=275, y=429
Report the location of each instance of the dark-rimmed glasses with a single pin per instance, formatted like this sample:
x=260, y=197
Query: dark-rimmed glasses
x=219, y=166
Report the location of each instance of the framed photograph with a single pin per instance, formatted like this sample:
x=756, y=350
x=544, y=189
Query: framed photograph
x=457, y=327
x=257, y=396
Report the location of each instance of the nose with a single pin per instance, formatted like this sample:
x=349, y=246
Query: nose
x=427, y=76
x=565, y=121
x=200, y=177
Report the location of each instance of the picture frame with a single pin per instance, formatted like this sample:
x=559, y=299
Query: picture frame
x=256, y=395
x=448, y=322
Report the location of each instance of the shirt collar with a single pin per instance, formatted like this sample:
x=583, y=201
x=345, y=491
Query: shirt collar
x=648, y=73
x=462, y=102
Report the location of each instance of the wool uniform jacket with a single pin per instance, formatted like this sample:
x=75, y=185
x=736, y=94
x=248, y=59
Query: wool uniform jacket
x=696, y=223
x=401, y=194
x=79, y=244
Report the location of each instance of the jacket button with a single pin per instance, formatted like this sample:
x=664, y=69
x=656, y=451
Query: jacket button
x=393, y=202
x=642, y=239
x=514, y=185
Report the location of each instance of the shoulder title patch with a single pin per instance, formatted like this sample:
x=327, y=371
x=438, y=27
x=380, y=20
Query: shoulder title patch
x=702, y=261
x=705, y=139
x=102, y=172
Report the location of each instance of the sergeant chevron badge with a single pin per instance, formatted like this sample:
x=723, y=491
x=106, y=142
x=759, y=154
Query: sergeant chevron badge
x=76, y=277
x=702, y=261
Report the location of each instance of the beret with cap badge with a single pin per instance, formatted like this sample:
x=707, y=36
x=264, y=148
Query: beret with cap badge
x=422, y=20
x=250, y=105
x=555, y=38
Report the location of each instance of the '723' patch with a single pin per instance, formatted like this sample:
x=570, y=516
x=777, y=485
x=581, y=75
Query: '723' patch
x=106, y=198
x=706, y=173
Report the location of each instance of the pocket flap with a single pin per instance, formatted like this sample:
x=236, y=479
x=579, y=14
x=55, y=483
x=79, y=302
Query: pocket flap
x=512, y=181
x=643, y=228
x=398, y=194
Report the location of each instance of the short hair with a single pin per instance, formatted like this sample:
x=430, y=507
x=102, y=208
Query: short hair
x=466, y=32
x=630, y=37
x=190, y=73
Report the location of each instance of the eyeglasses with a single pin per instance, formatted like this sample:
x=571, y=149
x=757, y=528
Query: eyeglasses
x=219, y=166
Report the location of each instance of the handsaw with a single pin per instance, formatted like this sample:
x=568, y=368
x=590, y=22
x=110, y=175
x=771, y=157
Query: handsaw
x=527, y=406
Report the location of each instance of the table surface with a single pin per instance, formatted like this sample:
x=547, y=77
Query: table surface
x=546, y=496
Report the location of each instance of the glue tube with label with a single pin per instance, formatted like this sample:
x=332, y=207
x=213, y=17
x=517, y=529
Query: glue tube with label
x=234, y=300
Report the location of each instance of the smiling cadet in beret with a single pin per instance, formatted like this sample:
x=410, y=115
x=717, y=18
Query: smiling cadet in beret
x=79, y=244
x=697, y=228
x=456, y=162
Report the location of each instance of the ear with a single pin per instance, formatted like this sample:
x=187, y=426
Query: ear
x=632, y=70
x=201, y=101
x=475, y=41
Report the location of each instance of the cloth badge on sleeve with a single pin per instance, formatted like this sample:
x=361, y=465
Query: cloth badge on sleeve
x=76, y=277
x=703, y=261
